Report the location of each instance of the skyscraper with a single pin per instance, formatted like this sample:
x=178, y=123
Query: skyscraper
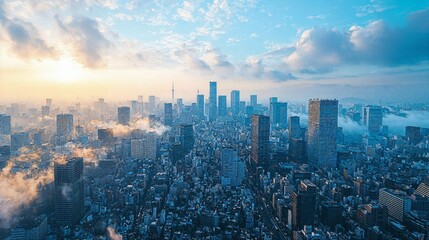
x=187, y=137
x=294, y=128
x=168, y=114
x=253, y=100
x=64, y=124
x=213, y=101
x=303, y=205
x=200, y=106
x=397, y=203
x=144, y=148
x=260, y=140
x=49, y=102
x=235, y=102
x=222, y=109
x=372, y=118
x=69, y=194
x=19, y=140
x=232, y=168
x=5, y=124
x=322, y=133
x=45, y=111
x=152, y=104
x=124, y=115
x=412, y=134
x=278, y=113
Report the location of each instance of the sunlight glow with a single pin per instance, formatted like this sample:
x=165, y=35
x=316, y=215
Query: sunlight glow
x=66, y=71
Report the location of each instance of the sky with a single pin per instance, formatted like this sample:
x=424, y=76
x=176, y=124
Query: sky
x=81, y=50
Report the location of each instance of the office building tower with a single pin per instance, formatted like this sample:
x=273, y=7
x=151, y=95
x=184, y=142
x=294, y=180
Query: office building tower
x=144, y=148
x=45, y=111
x=370, y=215
x=124, y=115
x=397, y=203
x=242, y=108
x=179, y=106
x=64, y=124
x=19, y=140
x=235, y=102
x=372, y=118
x=412, y=134
x=232, y=168
x=253, y=100
x=278, y=114
x=322, y=133
x=274, y=99
x=297, y=150
x=49, y=102
x=5, y=124
x=152, y=104
x=168, y=114
x=140, y=104
x=200, y=106
x=260, y=140
x=105, y=135
x=133, y=107
x=213, y=101
x=69, y=194
x=294, y=128
x=331, y=214
x=187, y=137
x=303, y=205
x=222, y=108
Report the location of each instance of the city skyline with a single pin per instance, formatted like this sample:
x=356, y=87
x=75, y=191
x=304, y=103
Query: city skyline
x=217, y=119
x=89, y=49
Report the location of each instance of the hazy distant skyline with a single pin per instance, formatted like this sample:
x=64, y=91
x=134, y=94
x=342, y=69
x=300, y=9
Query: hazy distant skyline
x=296, y=50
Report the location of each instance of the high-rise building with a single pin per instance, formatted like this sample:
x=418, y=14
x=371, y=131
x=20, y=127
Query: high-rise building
x=45, y=111
x=235, y=102
x=278, y=113
x=397, y=203
x=412, y=134
x=168, y=114
x=260, y=140
x=297, y=151
x=179, y=106
x=5, y=124
x=322, y=133
x=294, y=128
x=133, y=107
x=49, y=102
x=222, y=108
x=274, y=99
x=19, y=140
x=64, y=124
x=213, y=101
x=124, y=115
x=372, y=118
x=331, y=214
x=152, y=104
x=69, y=194
x=303, y=205
x=187, y=137
x=370, y=215
x=253, y=100
x=232, y=168
x=200, y=106
x=144, y=148
x=105, y=135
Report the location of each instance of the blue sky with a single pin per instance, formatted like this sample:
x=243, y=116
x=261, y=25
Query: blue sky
x=298, y=49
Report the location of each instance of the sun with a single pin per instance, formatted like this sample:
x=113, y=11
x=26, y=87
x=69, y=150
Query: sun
x=66, y=71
